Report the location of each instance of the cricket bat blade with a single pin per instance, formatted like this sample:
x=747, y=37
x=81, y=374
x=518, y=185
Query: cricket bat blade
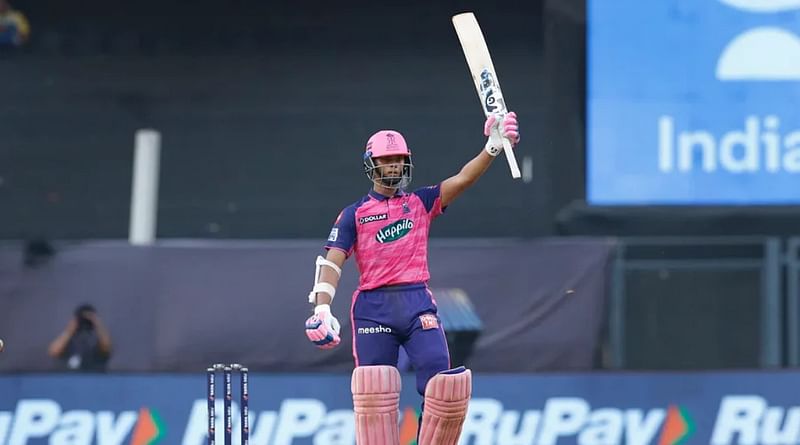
x=484, y=76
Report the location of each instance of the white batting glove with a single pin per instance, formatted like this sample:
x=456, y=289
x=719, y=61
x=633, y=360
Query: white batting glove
x=498, y=126
x=322, y=328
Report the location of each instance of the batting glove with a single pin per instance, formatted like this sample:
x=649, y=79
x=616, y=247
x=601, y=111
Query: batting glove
x=322, y=328
x=497, y=127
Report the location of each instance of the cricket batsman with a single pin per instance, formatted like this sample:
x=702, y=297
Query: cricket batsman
x=387, y=231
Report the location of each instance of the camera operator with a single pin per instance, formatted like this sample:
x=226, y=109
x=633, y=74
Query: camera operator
x=85, y=344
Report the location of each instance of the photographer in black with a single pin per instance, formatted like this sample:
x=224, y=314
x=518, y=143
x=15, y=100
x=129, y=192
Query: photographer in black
x=85, y=344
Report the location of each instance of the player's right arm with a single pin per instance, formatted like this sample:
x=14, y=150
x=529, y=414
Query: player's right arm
x=330, y=276
x=506, y=126
x=322, y=328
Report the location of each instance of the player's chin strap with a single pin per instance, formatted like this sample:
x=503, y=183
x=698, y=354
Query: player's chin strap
x=321, y=286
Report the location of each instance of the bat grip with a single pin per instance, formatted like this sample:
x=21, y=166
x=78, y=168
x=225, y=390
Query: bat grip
x=511, y=158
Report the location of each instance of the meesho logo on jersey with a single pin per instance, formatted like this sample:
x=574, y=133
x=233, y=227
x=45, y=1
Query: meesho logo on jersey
x=694, y=102
x=394, y=231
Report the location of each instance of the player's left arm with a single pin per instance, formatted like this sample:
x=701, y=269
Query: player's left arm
x=507, y=127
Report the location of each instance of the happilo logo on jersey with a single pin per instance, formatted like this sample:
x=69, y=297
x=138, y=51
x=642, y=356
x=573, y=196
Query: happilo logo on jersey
x=45, y=421
x=760, y=56
x=394, y=231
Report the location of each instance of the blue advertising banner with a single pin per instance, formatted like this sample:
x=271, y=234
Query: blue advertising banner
x=693, y=102
x=732, y=408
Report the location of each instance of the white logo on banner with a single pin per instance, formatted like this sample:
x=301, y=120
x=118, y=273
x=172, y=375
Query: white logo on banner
x=765, y=53
x=763, y=5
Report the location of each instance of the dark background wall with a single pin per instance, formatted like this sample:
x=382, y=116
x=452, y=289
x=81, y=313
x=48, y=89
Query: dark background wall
x=181, y=305
x=264, y=108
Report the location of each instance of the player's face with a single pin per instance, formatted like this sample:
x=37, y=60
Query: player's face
x=391, y=166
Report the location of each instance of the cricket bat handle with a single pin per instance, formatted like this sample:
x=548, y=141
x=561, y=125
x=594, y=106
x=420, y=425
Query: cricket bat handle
x=511, y=158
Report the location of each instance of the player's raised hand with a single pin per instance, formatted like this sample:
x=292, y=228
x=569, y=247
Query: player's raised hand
x=322, y=328
x=497, y=127
x=510, y=128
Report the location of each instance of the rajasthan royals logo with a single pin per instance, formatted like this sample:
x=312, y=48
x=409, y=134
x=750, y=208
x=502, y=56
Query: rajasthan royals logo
x=428, y=321
x=390, y=142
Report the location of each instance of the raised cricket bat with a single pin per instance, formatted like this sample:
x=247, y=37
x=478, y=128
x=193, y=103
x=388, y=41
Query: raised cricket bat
x=483, y=74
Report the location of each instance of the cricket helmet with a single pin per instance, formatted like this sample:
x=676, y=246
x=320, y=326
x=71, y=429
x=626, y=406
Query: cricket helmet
x=388, y=143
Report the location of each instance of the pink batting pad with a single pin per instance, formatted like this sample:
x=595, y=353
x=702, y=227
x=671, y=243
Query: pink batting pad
x=446, y=401
x=376, y=403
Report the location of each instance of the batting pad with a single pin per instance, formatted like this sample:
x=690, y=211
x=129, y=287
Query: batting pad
x=446, y=399
x=376, y=402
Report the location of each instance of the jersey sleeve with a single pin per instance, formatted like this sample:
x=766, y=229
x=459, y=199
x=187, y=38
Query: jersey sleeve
x=431, y=197
x=343, y=232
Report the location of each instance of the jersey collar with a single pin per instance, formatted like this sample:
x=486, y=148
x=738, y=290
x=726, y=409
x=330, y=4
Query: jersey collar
x=380, y=197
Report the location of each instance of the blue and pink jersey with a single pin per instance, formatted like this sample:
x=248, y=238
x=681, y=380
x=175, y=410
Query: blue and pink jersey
x=389, y=236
